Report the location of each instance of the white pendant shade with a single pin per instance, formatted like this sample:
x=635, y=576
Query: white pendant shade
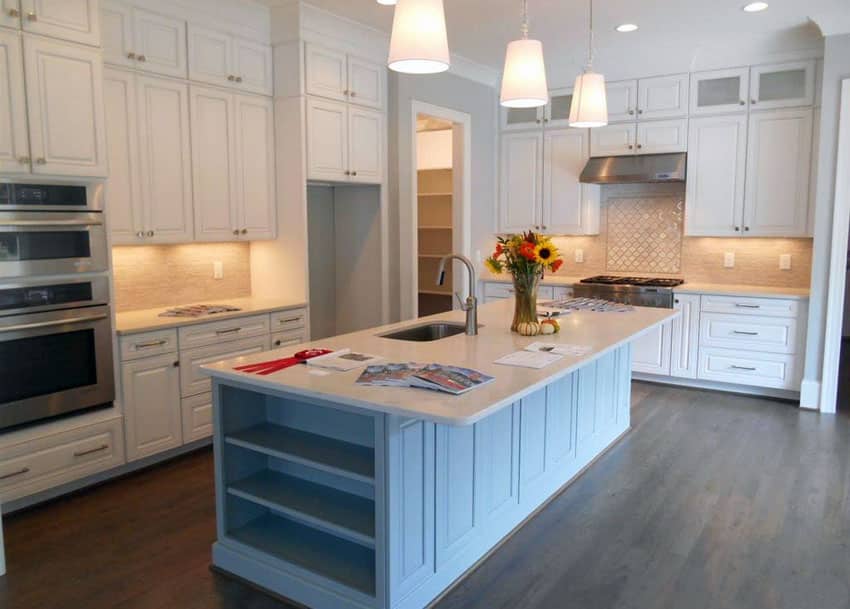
x=590, y=105
x=524, y=78
x=419, y=43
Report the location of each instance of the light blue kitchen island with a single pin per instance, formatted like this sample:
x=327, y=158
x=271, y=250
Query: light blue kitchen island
x=341, y=496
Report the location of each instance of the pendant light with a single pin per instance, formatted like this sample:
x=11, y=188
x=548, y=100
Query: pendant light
x=524, y=77
x=419, y=43
x=590, y=105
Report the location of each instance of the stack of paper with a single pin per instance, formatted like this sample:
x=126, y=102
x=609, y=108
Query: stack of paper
x=449, y=379
x=343, y=360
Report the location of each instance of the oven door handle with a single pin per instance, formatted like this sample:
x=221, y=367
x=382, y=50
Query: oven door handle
x=50, y=324
x=48, y=223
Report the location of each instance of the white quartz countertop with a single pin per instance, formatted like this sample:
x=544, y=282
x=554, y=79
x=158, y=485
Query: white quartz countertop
x=145, y=320
x=689, y=287
x=601, y=331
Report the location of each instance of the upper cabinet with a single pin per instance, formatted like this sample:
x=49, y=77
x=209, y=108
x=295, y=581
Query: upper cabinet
x=144, y=40
x=622, y=100
x=337, y=75
x=71, y=20
x=554, y=115
x=647, y=137
x=14, y=135
x=648, y=98
x=221, y=59
x=764, y=87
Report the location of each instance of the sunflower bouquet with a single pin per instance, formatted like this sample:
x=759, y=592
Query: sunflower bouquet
x=526, y=257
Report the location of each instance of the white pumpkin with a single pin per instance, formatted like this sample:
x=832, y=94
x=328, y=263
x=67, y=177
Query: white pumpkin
x=547, y=329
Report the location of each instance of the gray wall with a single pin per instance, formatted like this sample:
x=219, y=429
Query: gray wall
x=836, y=67
x=462, y=95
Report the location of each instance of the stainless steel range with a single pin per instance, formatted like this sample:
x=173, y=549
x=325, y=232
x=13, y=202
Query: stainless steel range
x=638, y=291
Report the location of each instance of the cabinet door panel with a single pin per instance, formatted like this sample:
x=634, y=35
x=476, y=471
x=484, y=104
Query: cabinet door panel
x=65, y=102
x=160, y=43
x=778, y=164
x=165, y=159
x=366, y=147
x=325, y=72
x=124, y=192
x=685, y=337
x=565, y=154
x=213, y=164
x=210, y=54
x=14, y=140
x=719, y=91
x=782, y=85
x=252, y=62
x=514, y=119
x=116, y=21
x=663, y=97
x=613, y=140
x=651, y=352
x=455, y=490
x=557, y=113
x=366, y=83
x=255, y=160
x=152, y=418
x=327, y=140
x=622, y=100
x=716, y=167
x=656, y=137
x=73, y=20
x=194, y=381
x=521, y=179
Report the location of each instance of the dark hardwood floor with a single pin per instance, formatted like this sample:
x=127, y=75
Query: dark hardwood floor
x=712, y=502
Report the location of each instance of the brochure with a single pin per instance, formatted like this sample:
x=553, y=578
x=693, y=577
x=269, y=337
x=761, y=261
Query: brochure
x=560, y=348
x=343, y=360
x=449, y=379
x=529, y=359
x=389, y=375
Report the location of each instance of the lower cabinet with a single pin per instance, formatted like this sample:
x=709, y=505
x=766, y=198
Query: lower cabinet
x=197, y=417
x=192, y=379
x=651, y=352
x=685, y=337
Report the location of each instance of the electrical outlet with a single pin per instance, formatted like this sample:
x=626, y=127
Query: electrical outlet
x=218, y=270
x=579, y=256
x=729, y=260
x=785, y=262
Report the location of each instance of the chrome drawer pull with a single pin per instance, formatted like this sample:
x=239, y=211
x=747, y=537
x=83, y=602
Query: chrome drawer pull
x=747, y=306
x=20, y=472
x=153, y=343
x=228, y=331
x=745, y=333
x=290, y=320
x=91, y=451
x=747, y=368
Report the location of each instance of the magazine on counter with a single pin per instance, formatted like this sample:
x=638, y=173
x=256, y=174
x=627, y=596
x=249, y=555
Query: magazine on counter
x=449, y=379
x=343, y=360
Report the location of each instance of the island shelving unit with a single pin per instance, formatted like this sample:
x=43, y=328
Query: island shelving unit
x=339, y=496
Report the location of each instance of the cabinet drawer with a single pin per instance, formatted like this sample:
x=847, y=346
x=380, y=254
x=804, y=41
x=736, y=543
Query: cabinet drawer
x=749, y=332
x=147, y=344
x=225, y=330
x=498, y=291
x=288, y=320
x=285, y=339
x=767, y=307
x=775, y=370
x=43, y=463
x=192, y=379
x=197, y=417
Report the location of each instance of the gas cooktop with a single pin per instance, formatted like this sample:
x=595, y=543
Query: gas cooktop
x=653, y=282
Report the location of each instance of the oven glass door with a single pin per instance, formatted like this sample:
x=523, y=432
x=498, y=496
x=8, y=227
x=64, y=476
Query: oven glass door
x=54, y=363
x=36, y=243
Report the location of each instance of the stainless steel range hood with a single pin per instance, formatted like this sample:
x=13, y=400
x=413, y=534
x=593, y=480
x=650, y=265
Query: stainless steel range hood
x=635, y=169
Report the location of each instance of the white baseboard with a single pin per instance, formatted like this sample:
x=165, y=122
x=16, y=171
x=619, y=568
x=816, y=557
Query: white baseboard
x=810, y=394
x=716, y=386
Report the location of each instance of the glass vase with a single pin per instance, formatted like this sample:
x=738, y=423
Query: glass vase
x=525, y=298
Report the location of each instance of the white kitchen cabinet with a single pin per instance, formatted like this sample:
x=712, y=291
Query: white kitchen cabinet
x=14, y=136
x=365, y=145
x=72, y=20
x=613, y=140
x=622, y=100
x=194, y=381
x=656, y=137
x=64, y=84
x=165, y=159
x=651, y=352
x=337, y=75
x=124, y=191
x=719, y=91
x=289, y=338
x=567, y=203
x=717, y=161
x=327, y=140
x=197, y=417
x=520, y=119
x=782, y=85
x=778, y=171
x=685, y=336
x=134, y=37
x=663, y=97
x=218, y=58
x=554, y=115
x=10, y=13
x=152, y=415
x=256, y=199
x=521, y=185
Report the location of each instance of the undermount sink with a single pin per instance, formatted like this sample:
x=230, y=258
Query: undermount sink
x=427, y=332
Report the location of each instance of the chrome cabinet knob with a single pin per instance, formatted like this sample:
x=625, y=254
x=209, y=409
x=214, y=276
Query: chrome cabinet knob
x=13, y=12
x=754, y=101
x=746, y=229
x=150, y=233
x=142, y=58
x=353, y=94
x=32, y=16
x=640, y=146
x=238, y=79
x=354, y=173
x=244, y=231
x=737, y=229
x=140, y=234
x=631, y=147
x=231, y=78
x=235, y=231
x=640, y=111
x=742, y=103
x=348, y=173
x=631, y=112
x=131, y=55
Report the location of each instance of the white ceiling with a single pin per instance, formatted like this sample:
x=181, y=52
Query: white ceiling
x=674, y=35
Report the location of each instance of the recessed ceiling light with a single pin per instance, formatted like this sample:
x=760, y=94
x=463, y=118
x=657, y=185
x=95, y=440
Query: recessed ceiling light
x=627, y=27
x=755, y=7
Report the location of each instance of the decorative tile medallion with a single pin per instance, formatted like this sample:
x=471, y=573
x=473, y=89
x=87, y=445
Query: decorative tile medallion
x=645, y=234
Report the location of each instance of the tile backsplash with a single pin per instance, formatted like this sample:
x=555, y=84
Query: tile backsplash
x=151, y=276
x=642, y=232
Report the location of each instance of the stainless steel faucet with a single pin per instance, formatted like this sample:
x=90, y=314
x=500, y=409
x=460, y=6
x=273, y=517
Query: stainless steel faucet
x=471, y=304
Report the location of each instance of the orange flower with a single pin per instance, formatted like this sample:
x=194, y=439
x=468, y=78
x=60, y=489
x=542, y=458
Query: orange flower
x=556, y=265
x=526, y=250
x=499, y=250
